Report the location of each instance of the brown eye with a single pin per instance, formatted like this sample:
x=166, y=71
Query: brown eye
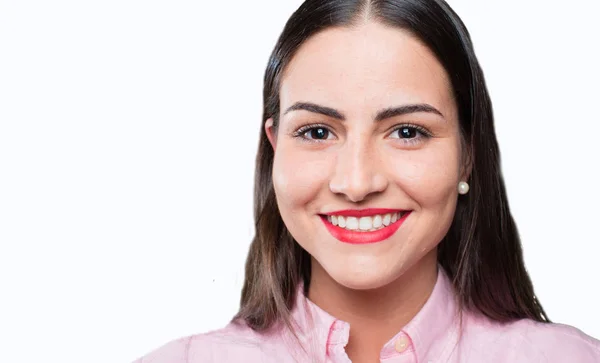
x=407, y=132
x=410, y=135
x=318, y=133
x=314, y=133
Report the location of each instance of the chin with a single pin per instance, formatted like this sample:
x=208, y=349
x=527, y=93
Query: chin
x=360, y=278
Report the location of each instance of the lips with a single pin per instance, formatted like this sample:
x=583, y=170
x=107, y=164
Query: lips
x=358, y=237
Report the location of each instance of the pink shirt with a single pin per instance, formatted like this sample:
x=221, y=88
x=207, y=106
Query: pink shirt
x=432, y=336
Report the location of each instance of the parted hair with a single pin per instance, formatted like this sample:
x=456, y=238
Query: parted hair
x=481, y=253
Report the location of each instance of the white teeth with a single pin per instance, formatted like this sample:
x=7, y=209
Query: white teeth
x=352, y=223
x=365, y=223
x=387, y=219
x=377, y=221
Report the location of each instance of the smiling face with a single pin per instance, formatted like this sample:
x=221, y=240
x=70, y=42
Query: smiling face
x=367, y=121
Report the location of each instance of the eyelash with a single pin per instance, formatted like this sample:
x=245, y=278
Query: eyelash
x=422, y=132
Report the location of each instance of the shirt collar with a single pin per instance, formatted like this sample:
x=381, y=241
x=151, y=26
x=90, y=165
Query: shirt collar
x=433, y=324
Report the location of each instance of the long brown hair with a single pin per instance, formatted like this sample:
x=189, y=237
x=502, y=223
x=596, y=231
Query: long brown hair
x=481, y=252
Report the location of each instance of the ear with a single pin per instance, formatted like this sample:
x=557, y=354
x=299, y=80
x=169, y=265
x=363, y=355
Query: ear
x=271, y=135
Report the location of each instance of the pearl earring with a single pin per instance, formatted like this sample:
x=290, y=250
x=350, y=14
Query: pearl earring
x=463, y=187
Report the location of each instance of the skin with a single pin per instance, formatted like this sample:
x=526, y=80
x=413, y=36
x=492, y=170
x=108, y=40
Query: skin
x=361, y=163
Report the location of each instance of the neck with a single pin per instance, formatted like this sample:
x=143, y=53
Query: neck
x=397, y=304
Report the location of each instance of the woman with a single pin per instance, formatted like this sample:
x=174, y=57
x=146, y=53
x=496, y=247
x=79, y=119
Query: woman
x=383, y=231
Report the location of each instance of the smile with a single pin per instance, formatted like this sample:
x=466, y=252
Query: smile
x=356, y=227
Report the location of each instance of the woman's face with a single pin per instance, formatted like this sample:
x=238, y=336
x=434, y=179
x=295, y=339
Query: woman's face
x=367, y=121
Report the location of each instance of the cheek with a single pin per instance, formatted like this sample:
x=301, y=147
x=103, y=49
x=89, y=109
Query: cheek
x=429, y=176
x=298, y=176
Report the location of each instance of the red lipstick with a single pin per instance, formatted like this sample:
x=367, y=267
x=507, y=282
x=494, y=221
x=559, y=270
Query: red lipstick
x=358, y=237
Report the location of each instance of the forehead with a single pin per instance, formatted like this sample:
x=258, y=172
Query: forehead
x=364, y=68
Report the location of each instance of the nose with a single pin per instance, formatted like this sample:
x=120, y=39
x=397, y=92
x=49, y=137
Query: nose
x=358, y=172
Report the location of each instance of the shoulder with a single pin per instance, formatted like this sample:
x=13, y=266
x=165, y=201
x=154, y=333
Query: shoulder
x=534, y=341
x=233, y=343
x=558, y=342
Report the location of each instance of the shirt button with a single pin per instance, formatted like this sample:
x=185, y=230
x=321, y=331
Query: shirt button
x=401, y=344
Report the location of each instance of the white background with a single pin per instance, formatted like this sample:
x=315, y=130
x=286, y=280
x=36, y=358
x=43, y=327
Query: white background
x=128, y=131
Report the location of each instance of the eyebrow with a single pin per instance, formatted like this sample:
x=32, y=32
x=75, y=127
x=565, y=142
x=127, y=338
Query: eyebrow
x=405, y=110
x=313, y=107
x=381, y=115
